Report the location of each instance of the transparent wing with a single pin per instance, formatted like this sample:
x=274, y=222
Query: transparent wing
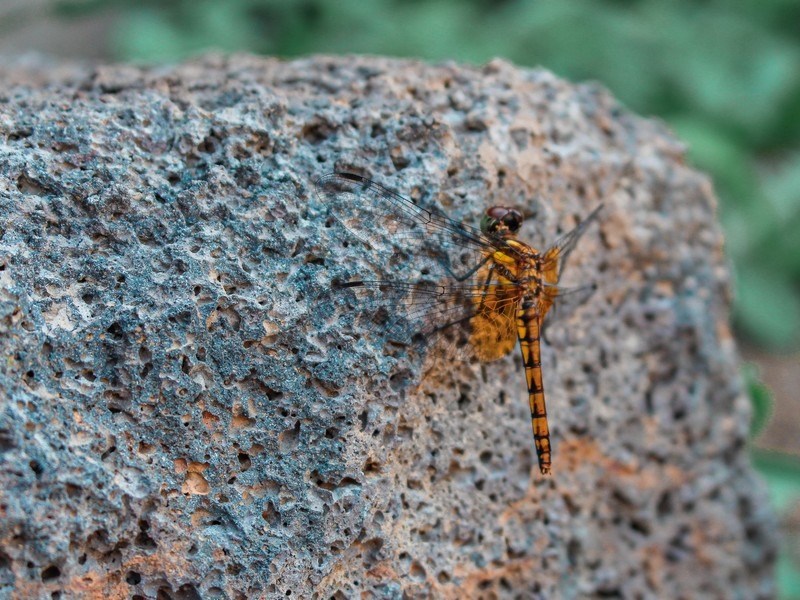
x=478, y=319
x=393, y=227
x=556, y=256
x=458, y=298
x=565, y=301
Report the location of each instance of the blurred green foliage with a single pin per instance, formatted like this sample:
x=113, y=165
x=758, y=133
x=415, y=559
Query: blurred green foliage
x=725, y=75
x=782, y=474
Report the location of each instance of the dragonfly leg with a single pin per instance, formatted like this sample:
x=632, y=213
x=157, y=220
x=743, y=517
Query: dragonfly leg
x=471, y=272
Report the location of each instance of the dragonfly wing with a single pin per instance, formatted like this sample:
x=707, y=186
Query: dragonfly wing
x=478, y=319
x=493, y=328
x=394, y=227
x=556, y=256
x=564, y=300
x=400, y=312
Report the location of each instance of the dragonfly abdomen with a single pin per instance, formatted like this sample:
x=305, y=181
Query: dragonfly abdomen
x=529, y=328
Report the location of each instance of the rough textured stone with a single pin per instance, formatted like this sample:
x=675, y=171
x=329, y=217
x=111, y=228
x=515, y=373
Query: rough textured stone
x=183, y=417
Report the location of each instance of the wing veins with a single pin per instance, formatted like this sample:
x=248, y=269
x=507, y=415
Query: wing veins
x=404, y=211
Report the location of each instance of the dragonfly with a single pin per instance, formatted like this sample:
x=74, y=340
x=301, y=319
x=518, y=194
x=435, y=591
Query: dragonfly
x=484, y=282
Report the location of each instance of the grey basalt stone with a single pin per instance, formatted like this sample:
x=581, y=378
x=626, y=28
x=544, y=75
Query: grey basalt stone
x=187, y=413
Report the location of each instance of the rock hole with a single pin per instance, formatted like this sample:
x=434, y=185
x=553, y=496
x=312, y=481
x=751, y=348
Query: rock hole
x=287, y=441
x=20, y=134
x=417, y=571
x=6, y=441
x=209, y=145
x=143, y=539
x=372, y=467
x=28, y=185
x=115, y=329
x=244, y=461
x=133, y=578
x=377, y=130
x=271, y=515
x=501, y=178
x=316, y=131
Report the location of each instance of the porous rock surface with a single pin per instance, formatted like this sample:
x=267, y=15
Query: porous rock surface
x=187, y=414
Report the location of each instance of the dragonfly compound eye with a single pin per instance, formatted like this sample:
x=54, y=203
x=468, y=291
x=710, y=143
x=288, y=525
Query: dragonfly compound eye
x=513, y=220
x=499, y=219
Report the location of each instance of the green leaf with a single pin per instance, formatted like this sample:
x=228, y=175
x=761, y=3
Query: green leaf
x=760, y=398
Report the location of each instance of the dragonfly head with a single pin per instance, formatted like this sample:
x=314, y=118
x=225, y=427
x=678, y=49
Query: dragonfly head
x=501, y=221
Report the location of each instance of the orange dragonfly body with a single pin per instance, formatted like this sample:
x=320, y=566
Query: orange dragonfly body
x=483, y=281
